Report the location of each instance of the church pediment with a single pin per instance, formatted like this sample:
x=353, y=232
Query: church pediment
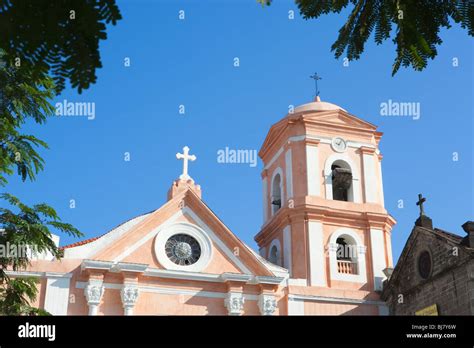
x=305, y=121
x=183, y=235
x=339, y=118
x=426, y=255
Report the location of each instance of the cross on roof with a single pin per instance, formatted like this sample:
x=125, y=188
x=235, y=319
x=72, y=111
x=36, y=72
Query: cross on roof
x=316, y=77
x=420, y=202
x=185, y=156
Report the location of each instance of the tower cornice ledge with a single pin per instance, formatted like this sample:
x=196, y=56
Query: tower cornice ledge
x=369, y=215
x=311, y=122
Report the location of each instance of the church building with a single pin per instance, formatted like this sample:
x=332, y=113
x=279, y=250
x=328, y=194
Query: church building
x=435, y=272
x=324, y=244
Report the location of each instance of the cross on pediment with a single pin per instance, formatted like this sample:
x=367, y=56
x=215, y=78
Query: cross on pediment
x=420, y=202
x=185, y=156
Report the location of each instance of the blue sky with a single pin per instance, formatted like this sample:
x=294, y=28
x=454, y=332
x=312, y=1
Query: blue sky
x=190, y=62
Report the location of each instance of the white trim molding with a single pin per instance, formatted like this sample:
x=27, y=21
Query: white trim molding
x=37, y=274
x=274, y=158
x=287, y=262
x=57, y=295
x=235, y=277
x=313, y=175
x=88, y=250
x=289, y=174
x=267, y=280
x=97, y=264
x=56, y=299
x=171, y=291
x=295, y=305
x=317, y=260
x=265, y=199
x=298, y=282
x=328, y=141
x=315, y=298
x=178, y=274
x=370, y=179
x=361, y=276
x=377, y=247
x=382, y=198
x=211, y=277
x=130, y=267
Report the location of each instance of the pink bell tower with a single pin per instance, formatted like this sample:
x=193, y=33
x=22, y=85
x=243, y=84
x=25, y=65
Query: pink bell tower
x=323, y=207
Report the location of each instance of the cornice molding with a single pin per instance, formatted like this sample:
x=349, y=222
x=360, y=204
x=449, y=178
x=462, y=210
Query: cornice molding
x=97, y=265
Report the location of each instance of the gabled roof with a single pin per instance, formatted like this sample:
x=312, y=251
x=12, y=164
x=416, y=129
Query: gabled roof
x=447, y=237
x=124, y=224
x=101, y=247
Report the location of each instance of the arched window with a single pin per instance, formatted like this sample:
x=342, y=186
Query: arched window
x=273, y=258
x=345, y=164
x=276, y=193
x=274, y=253
x=346, y=255
x=341, y=176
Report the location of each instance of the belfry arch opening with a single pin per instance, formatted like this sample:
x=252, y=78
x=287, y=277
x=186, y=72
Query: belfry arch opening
x=346, y=255
x=276, y=193
x=274, y=255
x=342, y=181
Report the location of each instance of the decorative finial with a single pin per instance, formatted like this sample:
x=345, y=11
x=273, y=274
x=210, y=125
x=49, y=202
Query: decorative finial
x=185, y=156
x=316, y=77
x=420, y=202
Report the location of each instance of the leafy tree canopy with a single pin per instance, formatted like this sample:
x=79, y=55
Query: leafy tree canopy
x=416, y=25
x=22, y=96
x=60, y=37
x=26, y=226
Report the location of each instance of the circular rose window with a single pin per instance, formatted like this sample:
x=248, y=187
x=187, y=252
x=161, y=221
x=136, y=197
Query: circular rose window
x=183, y=249
x=424, y=264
